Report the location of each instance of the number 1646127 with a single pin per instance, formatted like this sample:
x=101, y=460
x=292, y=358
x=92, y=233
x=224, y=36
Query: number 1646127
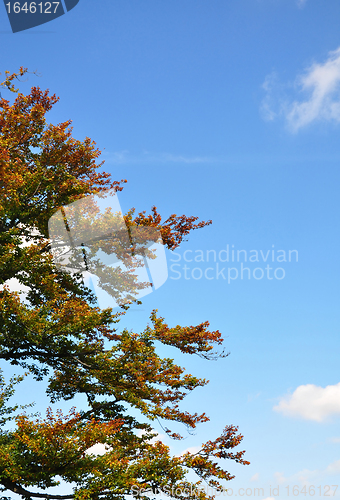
x=32, y=7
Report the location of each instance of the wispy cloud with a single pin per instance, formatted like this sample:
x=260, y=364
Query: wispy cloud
x=273, y=102
x=311, y=402
x=318, y=89
x=125, y=157
x=191, y=449
x=167, y=157
x=310, y=477
x=252, y=397
x=301, y=3
x=302, y=477
x=333, y=468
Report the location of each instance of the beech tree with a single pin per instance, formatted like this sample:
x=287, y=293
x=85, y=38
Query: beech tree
x=57, y=333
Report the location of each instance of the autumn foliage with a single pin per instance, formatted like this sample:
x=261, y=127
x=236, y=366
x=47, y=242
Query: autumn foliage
x=58, y=334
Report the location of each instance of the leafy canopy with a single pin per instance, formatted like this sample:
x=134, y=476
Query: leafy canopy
x=57, y=332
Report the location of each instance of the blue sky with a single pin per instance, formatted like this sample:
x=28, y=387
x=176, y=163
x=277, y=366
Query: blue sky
x=228, y=110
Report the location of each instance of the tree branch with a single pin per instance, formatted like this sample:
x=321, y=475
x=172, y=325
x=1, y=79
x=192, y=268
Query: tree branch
x=19, y=490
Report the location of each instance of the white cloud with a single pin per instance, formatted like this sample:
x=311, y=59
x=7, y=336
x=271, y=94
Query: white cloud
x=311, y=402
x=158, y=437
x=15, y=286
x=302, y=477
x=97, y=449
x=255, y=477
x=319, y=87
x=301, y=3
x=333, y=468
x=101, y=449
x=280, y=477
x=13, y=283
x=310, y=477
